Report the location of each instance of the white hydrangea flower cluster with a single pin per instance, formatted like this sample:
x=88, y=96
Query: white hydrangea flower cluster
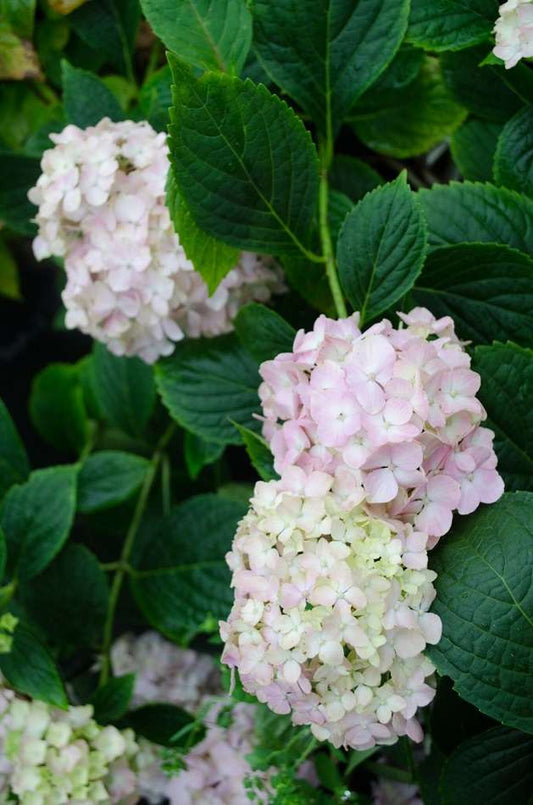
x=101, y=200
x=164, y=672
x=50, y=755
x=331, y=611
x=514, y=32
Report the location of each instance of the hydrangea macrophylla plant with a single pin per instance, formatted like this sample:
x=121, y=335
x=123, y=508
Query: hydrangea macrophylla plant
x=101, y=207
x=331, y=610
x=514, y=32
x=52, y=755
x=394, y=409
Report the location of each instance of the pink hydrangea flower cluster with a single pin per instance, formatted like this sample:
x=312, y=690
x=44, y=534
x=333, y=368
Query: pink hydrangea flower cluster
x=331, y=610
x=165, y=672
x=514, y=32
x=216, y=770
x=101, y=200
x=395, y=409
x=377, y=439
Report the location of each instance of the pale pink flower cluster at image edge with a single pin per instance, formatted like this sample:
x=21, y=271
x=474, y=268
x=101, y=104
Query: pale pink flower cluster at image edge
x=514, y=32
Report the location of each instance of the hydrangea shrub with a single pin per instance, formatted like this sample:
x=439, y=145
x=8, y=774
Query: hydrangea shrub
x=266, y=441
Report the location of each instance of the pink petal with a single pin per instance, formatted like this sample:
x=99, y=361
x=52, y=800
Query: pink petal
x=381, y=486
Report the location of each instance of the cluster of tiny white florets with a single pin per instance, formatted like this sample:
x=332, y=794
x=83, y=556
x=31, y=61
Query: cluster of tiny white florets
x=165, y=672
x=514, y=32
x=50, y=755
x=331, y=611
x=101, y=200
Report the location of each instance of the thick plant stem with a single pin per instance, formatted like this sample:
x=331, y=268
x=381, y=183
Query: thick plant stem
x=122, y=564
x=325, y=236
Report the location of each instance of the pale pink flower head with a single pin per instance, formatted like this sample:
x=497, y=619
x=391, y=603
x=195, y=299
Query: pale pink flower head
x=396, y=408
x=101, y=206
x=514, y=32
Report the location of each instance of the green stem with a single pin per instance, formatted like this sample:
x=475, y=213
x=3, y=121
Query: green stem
x=325, y=236
x=122, y=567
x=165, y=484
x=153, y=60
x=89, y=444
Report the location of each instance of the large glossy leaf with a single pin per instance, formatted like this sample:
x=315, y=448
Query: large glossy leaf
x=182, y=578
x=494, y=768
x=14, y=466
x=243, y=161
x=513, y=162
x=69, y=599
x=124, y=389
x=346, y=46
x=506, y=392
x=409, y=121
x=207, y=383
x=381, y=248
x=487, y=289
x=109, y=477
x=485, y=601
x=451, y=24
x=210, y=34
x=473, y=146
x=36, y=518
x=470, y=212
x=30, y=669
x=263, y=332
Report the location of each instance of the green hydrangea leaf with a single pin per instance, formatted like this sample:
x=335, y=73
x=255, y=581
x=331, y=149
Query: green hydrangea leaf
x=488, y=289
x=345, y=48
x=68, y=600
x=207, y=383
x=485, y=601
x=108, y=478
x=506, y=391
x=243, y=162
x=182, y=579
x=381, y=248
x=57, y=408
x=493, y=767
x=470, y=212
x=209, y=34
x=451, y=24
x=30, y=669
x=14, y=466
x=513, y=161
x=473, y=147
x=36, y=518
